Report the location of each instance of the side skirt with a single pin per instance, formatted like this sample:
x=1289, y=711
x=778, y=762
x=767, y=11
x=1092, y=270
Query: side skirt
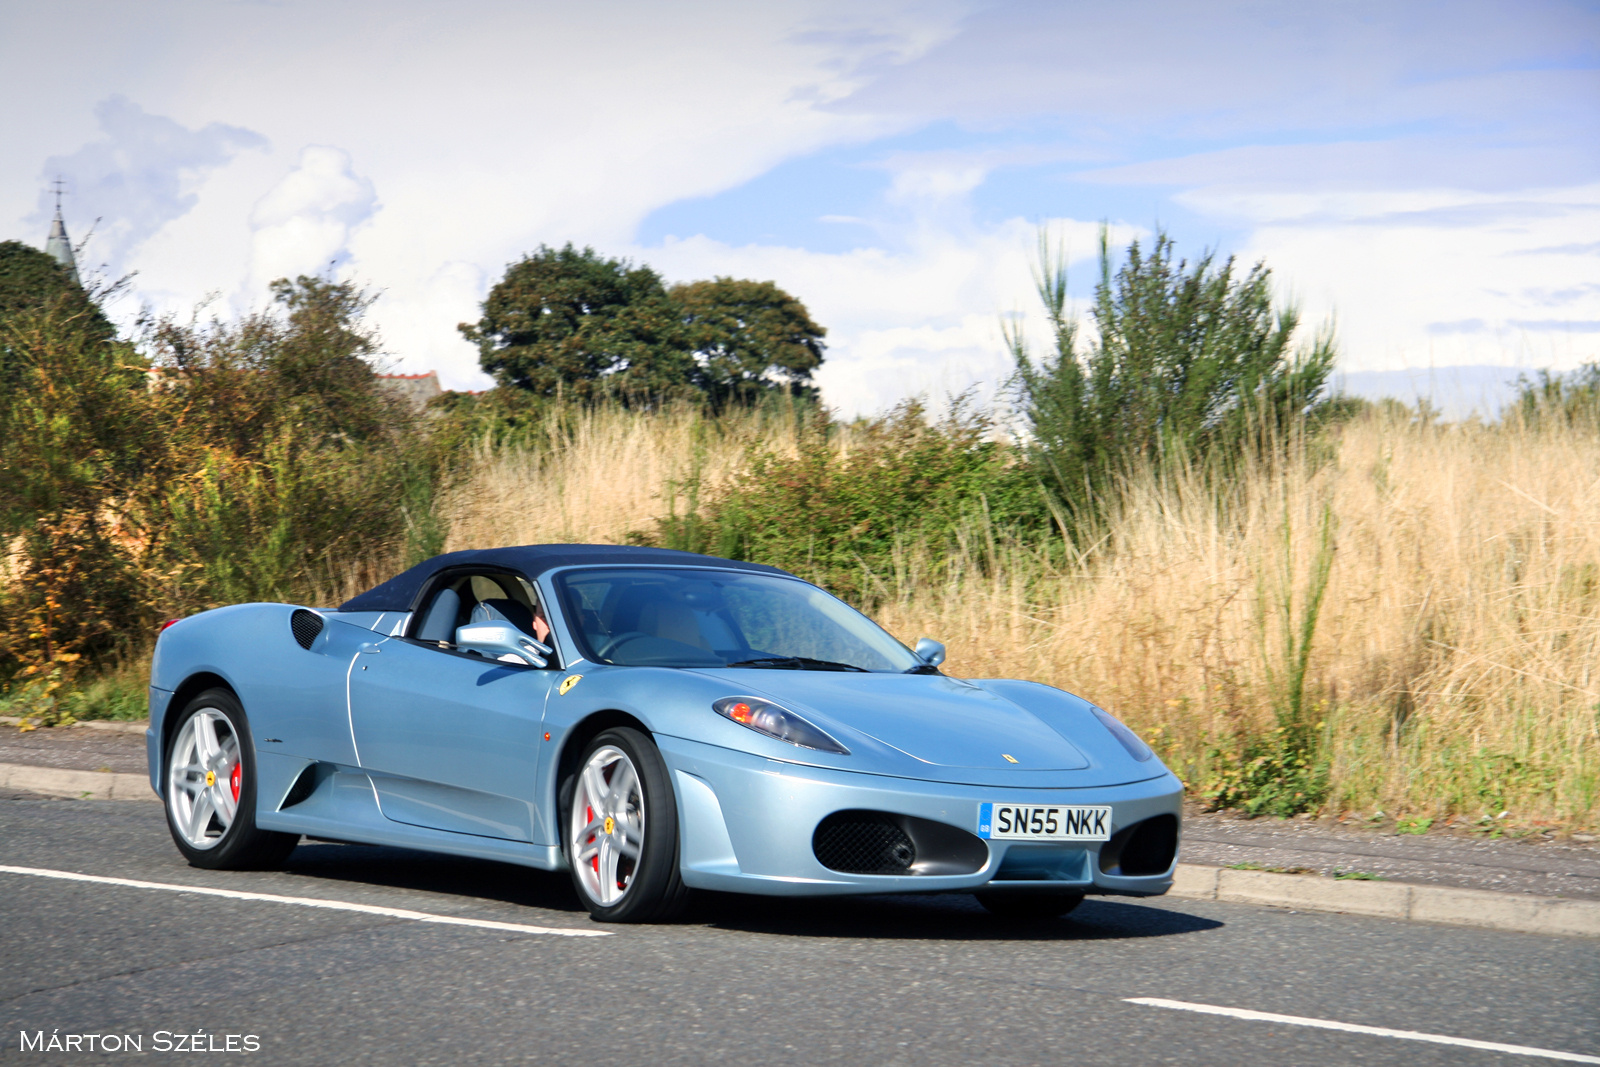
x=344, y=807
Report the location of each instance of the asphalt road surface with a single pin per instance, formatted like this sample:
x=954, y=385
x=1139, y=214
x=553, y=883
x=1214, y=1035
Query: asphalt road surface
x=905, y=980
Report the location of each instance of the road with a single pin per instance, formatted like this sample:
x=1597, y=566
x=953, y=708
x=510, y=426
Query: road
x=906, y=980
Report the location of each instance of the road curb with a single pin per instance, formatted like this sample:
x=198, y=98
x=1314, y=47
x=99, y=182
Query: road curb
x=1391, y=900
x=85, y=785
x=115, y=726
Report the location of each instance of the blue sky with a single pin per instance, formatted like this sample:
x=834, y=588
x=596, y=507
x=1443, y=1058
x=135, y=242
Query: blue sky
x=1426, y=176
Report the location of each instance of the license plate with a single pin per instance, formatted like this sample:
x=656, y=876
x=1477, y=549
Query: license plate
x=1043, y=822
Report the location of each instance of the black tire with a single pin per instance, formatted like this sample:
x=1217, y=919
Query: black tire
x=240, y=845
x=655, y=891
x=1029, y=907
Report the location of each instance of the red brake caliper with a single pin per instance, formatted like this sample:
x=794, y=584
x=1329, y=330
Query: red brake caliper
x=234, y=779
x=594, y=861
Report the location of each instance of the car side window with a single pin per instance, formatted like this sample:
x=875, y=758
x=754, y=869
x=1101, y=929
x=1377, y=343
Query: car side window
x=468, y=598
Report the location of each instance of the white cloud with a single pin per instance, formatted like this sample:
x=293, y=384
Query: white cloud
x=1124, y=71
x=303, y=225
x=921, y=320
x=1433, y=276
x=140, y=174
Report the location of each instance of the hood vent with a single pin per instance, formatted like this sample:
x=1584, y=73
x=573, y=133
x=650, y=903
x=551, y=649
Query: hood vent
x=306, y=625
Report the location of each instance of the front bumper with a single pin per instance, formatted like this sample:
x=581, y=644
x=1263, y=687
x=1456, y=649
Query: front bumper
x=746, y=825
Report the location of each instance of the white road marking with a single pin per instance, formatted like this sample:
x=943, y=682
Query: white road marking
x=308, y=902
x=1352, y=1028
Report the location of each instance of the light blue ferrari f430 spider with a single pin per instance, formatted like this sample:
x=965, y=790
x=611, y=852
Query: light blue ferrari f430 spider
x=653, y=722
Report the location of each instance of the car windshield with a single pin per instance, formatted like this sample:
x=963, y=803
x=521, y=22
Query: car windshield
x=690, y=617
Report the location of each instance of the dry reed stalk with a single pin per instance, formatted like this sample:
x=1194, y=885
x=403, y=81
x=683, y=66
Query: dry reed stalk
x=600, y=473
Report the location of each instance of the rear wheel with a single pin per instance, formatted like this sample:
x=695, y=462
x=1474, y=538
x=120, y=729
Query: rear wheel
x=211, y=789
x=621, y=834
x=1029, y=907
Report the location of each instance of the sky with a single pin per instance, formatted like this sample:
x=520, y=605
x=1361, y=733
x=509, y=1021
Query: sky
x=1422, y=177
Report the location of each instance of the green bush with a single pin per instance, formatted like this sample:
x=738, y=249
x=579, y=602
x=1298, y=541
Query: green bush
x=1188, y=362
x=1572, y=399
x=257, y=459
x=287, y=463
x=78, y=443
x=837, y=513
x=1281, y=773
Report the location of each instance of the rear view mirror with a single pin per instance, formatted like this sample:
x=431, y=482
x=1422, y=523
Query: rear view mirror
x=930, y=651
x=496, y=639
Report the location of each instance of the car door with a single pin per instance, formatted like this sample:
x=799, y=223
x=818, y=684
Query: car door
x=450, y=739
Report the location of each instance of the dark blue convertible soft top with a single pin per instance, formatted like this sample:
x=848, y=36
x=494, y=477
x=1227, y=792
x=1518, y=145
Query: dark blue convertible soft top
x=400, y=592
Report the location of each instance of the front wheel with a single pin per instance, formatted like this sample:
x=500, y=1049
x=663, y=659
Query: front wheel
x=621, y=834
x=1029, y=907
x=211, y=789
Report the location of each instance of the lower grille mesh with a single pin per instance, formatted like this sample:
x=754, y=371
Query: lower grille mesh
x=863, y=842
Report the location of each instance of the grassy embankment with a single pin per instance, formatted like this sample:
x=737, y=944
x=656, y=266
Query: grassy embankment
x=1453, y=666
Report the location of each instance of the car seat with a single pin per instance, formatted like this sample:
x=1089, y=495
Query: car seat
x=440, y=623
x=498, y=610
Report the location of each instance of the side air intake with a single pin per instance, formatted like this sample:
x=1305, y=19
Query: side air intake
x=305, y=625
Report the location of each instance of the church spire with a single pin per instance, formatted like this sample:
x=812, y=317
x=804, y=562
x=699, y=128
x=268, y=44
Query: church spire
x=58, y=247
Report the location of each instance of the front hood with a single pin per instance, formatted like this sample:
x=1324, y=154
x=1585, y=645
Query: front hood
x=938, y=721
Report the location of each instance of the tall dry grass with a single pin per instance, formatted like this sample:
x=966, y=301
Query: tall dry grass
x=596, y=475
x=1452, y=667
x=1449, y=666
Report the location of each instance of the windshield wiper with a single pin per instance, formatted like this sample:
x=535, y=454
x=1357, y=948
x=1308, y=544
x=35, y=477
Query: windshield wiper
x=798, y=663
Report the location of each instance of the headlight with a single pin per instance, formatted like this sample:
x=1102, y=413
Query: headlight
x=763, y=716
x=1130, y=740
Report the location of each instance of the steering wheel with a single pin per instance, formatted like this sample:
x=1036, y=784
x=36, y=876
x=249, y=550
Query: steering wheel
x=604, y=651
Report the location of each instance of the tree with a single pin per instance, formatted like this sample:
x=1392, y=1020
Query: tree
x=307, y=363
x=262, y=461
x=570, y=321
x=78, y=438
x=284, y=454
x=30, y=280
x=749, y=338
x=1185, y=361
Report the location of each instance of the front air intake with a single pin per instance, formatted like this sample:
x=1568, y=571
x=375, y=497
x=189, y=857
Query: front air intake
x=1143, y=849
x=305, y=625
x=863, y=842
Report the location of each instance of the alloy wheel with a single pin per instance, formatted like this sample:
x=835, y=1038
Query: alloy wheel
x=205, y=778
x=607, y=825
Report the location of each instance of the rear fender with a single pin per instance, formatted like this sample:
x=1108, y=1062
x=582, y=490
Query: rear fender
x=296, y=697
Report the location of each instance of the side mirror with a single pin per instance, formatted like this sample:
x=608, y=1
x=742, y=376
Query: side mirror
x=496, y=639
x=930, y=651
